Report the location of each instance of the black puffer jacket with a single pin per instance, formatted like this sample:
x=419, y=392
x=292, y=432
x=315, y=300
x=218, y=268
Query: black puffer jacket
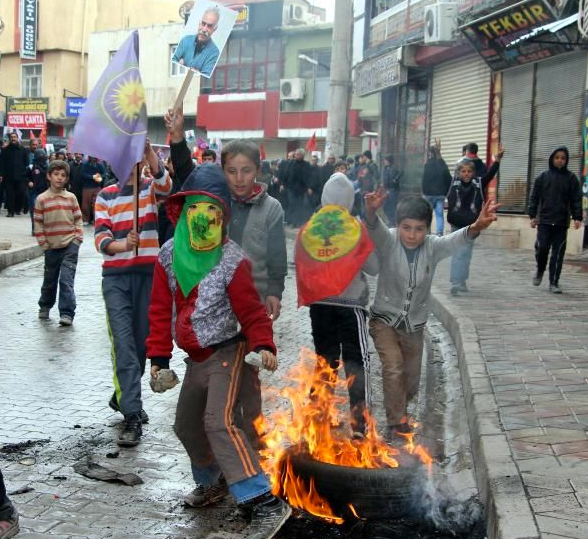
x=556, y=194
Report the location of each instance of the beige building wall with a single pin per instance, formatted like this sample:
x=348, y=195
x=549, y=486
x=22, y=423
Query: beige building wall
x=63, y=41
x=161, y=89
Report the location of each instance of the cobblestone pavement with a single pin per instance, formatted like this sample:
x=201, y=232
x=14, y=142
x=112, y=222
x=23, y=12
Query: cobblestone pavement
x=535, y=352
x=55, y=390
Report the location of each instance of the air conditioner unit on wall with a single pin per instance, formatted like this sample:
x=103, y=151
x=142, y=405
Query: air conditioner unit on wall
x=440, y=22
x=295, y=14
x=292, y=89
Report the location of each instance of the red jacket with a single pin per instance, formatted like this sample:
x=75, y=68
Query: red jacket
x=212, y=313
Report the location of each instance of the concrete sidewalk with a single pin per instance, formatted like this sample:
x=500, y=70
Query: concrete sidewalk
x=524, y=361
x=23, y=246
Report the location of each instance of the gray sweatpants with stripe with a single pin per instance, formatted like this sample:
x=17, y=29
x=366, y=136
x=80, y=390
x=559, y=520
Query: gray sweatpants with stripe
x=127, y=297
x=205, y=422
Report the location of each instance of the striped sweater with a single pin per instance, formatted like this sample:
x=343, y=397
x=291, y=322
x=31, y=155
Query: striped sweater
x=57, y=219
x=114, y=220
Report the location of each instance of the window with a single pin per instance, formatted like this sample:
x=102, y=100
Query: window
x=379, y=6
x=175, y=70
x=32, y=80
x=249, y=65
x=316, y=63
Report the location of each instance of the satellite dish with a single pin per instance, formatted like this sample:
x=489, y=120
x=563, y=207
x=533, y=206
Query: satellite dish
x=185, y=9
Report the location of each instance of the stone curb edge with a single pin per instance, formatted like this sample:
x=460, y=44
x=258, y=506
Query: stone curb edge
x=507, y=509
x=17, y=256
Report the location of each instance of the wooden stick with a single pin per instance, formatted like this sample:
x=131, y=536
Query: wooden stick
x=183, y=90
x=136, y=191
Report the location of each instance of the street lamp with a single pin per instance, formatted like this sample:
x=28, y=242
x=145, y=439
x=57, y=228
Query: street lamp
x=313, y=61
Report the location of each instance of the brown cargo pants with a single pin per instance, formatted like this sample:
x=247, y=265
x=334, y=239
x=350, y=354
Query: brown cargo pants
x=401, y=355
x=205, y=422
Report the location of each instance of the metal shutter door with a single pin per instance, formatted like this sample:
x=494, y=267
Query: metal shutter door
x=559, y=110
x=459, y=106
x=515, y=133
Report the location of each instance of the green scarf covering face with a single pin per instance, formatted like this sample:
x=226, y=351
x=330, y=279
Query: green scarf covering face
x=197, y=241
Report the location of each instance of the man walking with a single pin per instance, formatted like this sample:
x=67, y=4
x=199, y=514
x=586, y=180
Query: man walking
x=13, y=165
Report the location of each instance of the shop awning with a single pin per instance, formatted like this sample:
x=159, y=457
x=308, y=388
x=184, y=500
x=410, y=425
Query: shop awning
x=553, y=28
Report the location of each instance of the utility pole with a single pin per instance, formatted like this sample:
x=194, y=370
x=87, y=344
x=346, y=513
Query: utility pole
x=340, y=83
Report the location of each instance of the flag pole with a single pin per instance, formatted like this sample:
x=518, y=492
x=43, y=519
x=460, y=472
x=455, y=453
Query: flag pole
x=183, y=90
x=136, y=191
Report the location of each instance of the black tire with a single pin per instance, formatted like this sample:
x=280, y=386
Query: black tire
x=379, y=493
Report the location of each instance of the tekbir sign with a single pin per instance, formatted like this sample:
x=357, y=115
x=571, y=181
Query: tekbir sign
x=74, y=106
x=26, y=120
x=28, y=39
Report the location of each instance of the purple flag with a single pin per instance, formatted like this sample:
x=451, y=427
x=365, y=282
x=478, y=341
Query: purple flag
x=113, y=123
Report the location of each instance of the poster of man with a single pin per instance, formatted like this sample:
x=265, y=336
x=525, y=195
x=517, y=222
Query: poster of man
x=205, y=36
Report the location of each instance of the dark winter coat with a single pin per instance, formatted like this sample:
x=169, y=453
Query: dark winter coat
x=299, y=176
x=436, y=177
x=556, y=194
x=465, y=200
x=391, y=178
x=38, y=172
x=14, y=161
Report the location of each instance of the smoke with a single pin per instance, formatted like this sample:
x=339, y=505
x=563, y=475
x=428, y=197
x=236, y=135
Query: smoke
x=437, y=502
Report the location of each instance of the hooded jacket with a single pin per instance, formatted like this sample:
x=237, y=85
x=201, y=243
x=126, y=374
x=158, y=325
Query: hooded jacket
x=436, y=177
x=339, y=190
x=556, y=194
x=224, y=304
x=38, y=172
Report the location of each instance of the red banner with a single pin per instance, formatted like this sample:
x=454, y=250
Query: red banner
x=26, y=120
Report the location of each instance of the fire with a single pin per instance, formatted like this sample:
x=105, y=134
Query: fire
x=311, y=420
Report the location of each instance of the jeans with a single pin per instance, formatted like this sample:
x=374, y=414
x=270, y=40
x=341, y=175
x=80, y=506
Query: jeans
x=437, y=202
x=460, y=262
x=60, y=268
x=32, y=196
x=390, y=206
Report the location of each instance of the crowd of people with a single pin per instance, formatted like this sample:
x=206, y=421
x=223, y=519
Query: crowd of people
x=205, y=270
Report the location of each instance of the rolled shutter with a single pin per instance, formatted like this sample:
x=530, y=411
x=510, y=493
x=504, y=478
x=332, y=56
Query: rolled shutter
x=559, y=111
x=459, y=106
x=515, y=133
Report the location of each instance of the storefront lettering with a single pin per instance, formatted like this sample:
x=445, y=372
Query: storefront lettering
x=523, y=17
x=380, y=73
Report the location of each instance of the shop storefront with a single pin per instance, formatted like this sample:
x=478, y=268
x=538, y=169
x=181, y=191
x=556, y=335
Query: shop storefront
x=459, y=105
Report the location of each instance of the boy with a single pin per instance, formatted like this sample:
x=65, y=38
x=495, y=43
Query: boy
x=464, y=203
x=338, y=292
x=58, y=229
x=556, y=194
x=204, y=299
x=127, y=275
x=256, y=225
x=407, y=258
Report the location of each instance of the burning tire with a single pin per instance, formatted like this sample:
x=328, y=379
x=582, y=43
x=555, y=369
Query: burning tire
x=374, y=493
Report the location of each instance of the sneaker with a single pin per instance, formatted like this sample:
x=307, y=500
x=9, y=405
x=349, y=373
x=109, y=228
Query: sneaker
x=537, y=279
x=462, y=287
x=65, y=320
x=555, y=289
x=132, y=431
x=85, y=223
x=203, y=496
x=10, y=527
x=268, y=517
x=44, y=313
x=114, y=405
x=454, y=290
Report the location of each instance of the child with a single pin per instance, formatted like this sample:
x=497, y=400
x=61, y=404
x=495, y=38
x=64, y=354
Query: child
x=338, y=313
x=126, y=284
x=58, y=229
x=256, y=225
x=556, y=194
x=203, y=292
x=407, y=258
x=464, y=203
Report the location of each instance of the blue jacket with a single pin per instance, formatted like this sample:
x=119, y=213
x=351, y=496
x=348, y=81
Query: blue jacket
x=204, y=61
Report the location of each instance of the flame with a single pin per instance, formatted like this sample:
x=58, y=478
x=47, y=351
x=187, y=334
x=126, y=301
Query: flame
x=311, y=420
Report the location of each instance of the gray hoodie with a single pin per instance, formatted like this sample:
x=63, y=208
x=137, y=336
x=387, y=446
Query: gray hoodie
x=339, y=190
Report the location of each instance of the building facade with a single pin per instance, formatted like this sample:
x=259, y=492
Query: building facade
x=53, y=64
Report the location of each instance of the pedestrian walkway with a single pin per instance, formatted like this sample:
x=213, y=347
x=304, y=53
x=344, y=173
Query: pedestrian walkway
x=15, y=233
x=524, y=364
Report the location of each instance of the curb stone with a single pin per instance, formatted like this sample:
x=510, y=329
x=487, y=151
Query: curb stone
x=508, y=512
x=17, y=256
